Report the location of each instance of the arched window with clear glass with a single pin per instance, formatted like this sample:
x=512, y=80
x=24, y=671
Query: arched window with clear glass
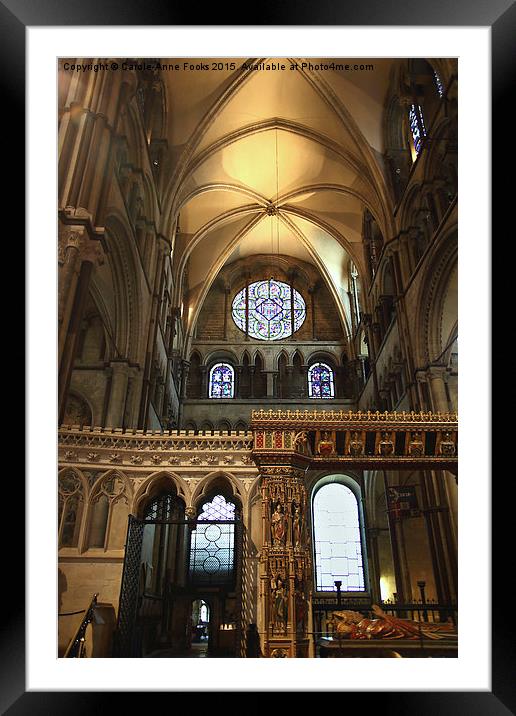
x=321, y=383
x=222, y=381
x=212, y=546
x=337, y=539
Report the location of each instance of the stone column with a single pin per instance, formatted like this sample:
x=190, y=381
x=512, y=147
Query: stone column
x=185, y=368
x=398, y=550
x=119, y=379
x=80, y=253
x=251, y=381
x=270, y=383
x=436, y=379
x=372, y=534
x=285, y=560
x=204, y=381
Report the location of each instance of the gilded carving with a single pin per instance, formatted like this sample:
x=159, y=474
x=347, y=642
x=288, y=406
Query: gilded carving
x=447, y=446
x=278, y=526
x=416, y=447
x=353, y=625
x=279, y=604
x=356, y=446
x=326, y=444
x=386, y=446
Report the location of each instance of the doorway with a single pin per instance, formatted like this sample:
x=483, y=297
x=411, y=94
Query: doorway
x=200, y=619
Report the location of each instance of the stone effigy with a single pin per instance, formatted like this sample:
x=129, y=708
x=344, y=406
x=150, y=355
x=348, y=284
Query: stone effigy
x=353, y=625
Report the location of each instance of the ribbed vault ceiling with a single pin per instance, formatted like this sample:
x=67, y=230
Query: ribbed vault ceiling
x=280, y=162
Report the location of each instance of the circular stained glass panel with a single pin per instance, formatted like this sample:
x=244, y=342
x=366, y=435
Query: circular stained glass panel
x=269, y=310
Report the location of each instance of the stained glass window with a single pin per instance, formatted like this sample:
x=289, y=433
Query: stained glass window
x=338, y=547
x=417, y=126
x=222, y=381
x=439, y=84
x=212, y=546
x=320, y=381
x=269, y=310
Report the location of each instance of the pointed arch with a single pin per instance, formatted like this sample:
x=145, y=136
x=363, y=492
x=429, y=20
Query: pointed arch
x=160, y=481
x=218, y=481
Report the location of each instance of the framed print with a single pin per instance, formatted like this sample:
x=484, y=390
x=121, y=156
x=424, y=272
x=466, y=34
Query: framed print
x=257, y=264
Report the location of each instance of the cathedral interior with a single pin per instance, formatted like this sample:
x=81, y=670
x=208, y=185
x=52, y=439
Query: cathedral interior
x=257, y=360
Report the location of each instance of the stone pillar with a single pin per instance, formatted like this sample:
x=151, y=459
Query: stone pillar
x=285, y=560
x=79, y=254
x=119, y=379
x=238, y=381
x=311, y=291
x=398, y=550
x=251, y=381
x=185, y=367
x=204, y=381
x=134, y=397
x=436, y=379
x=372, y=534
x=270, y=383
x=405, y=258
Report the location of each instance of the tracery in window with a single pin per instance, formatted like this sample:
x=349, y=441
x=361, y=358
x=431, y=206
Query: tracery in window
x=108, y=517
x=320, y=381
x=212, y=546
x=269, y=310
x=338, y=547
x=71, y=503
x=222, y=381
x=417, y=126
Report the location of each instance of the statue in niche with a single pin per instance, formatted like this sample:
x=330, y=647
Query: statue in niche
x=386, y=446
x=278, y=526
x=416, y=448
x=296, y=525
x=447, y=446
x=301, y=606
x=279, y=604
x=326, y=444
x=356, y=446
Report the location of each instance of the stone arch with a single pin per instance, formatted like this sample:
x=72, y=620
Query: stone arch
x=324, y=357
x=154, y=484
x=107, y=511
x=437, y=289
x=353, y=483
x=221, y=481
x=72, y=497
x=224, y=355
x=78, y=409
x=128, y=319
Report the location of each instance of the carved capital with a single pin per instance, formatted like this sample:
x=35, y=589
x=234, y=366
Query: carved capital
x=76, y=237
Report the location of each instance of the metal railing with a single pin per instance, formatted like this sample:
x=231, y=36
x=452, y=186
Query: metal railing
x=76, y=649
x=425, y=612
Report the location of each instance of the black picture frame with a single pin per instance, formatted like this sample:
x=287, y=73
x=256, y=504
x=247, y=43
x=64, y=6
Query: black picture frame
x=500, y=16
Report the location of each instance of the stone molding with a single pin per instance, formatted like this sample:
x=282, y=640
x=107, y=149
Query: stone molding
x=153, y=449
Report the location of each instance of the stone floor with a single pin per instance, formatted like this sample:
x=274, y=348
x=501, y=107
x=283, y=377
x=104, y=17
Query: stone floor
x=197, y=651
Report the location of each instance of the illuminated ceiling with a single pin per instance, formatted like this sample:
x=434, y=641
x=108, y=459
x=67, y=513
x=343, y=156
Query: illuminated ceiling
x=274, y=162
